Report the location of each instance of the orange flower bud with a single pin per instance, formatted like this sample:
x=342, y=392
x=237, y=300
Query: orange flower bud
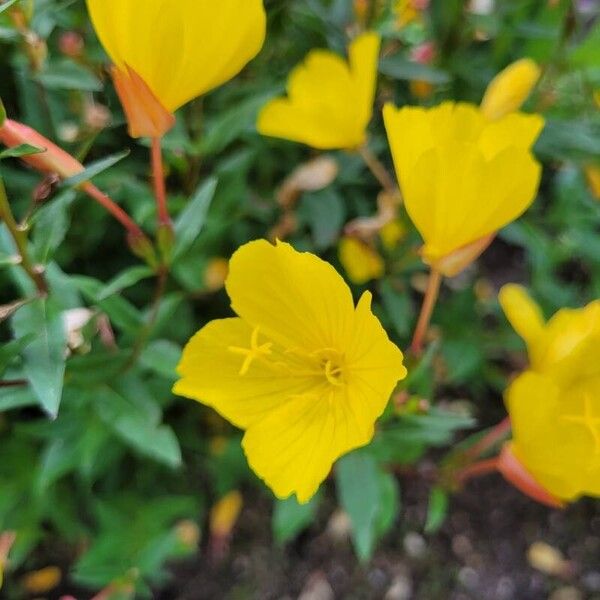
x=52, y=160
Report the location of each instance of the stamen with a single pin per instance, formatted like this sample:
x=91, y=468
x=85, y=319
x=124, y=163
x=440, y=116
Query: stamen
x=255, y=351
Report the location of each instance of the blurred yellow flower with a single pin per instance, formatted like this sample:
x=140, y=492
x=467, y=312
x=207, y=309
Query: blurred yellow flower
x=361, y=262
x=166, y=53
x=555, y=405
x=592, y=174
x=301, y=370
x=510, y=88
x=330, y=101
x=392, y=233
x=408, y=11
x=225, y=513
x=462, y=177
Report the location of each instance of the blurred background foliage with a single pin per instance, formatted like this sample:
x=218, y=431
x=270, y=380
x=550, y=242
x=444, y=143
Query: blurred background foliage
x=123, y=479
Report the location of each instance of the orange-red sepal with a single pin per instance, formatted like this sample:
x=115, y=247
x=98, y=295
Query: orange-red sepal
x=515, y=473
x=146, y=116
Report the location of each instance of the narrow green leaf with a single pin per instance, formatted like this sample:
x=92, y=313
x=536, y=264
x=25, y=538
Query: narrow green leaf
x=290, y=518
x=68, y=75
x=359, y=493
x=95, y=168
x=7, y=5
x=138, y=429
x=400, y=68
x=161, y=357
x=10, y=350
x=44, y=357
x=51, y=225
x=19, y=151
x=437, y=510
x=191, y=221
x=13, y=398
x=124, y=280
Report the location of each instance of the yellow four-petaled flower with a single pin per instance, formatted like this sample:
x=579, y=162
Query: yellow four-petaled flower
x=330, y=101
x=301, y=370
x=555, y=405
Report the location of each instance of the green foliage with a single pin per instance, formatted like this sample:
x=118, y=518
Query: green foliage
x=98, y=455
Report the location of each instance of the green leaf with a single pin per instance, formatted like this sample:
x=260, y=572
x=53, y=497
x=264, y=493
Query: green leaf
x=51, y=225
x=7, y=5
x=138, y=428
x=190, y=222
x=161, y=357
x=19, y=151
x=44, y=357
x=390, y=503
x=124, y=280
x=290, y=517
x=324, y=212
x=359, y=493
x=95, y=168
x=121, y=312
x=11, y=350
x=13, y=398
x=400, y=68
x=67, y=75
x=436, y=510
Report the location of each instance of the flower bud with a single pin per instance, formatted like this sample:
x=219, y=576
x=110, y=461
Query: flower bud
x=52, y=160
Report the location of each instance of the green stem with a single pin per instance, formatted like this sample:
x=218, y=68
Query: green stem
x=19, y=235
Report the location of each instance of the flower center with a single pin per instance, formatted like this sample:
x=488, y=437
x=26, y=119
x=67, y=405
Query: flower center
x=331, y=362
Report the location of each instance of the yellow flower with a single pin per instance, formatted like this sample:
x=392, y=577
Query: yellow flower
x=592, y=174
x=462, y=177
x=301, y=370
x=330, y=101
x=392, y=233
x=407, y=11
x=555, y=405
x=166, y=53
x=361, y=262
x=510, y=88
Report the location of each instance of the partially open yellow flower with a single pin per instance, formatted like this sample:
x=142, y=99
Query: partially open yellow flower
x=555, y=405
x=330, y=101
x=462, y=177
x=408, y=11
x=510, y=88
x=361, y=262
x=167, y=53
x=302, y=370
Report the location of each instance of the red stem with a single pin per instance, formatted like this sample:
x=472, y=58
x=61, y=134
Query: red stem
x=114, y=209
x=497, y=434
x=158, y=177
x=431, y=296
x=483, y=467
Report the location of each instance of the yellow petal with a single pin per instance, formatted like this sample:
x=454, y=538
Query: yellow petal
x=180, y=51
x=361, y=262
x=295, y=446
x=510, y=88
x=364, y=57
x=210, y=373
x=329, y=103
x=523, y=313
x=297, y=299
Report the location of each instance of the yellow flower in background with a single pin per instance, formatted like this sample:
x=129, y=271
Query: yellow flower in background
x=167, y=53
x=555, y=405
x=462, y=177
x=408, y=11
x=592, y=174
x=301, y=370
x=392, y=233
x=510, y=88
x=361, y=262
x=330, y=101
